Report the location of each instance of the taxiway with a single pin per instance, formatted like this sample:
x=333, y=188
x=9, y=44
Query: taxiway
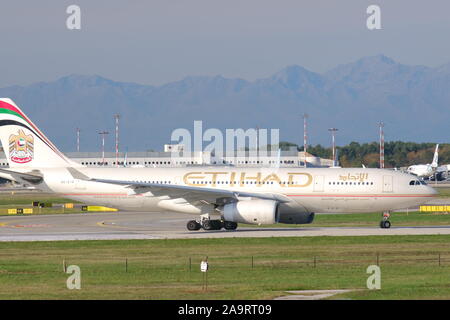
x=164, y=225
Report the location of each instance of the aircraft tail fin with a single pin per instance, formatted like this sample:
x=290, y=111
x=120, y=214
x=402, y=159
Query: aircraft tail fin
x=434, y=164
x=25, y=146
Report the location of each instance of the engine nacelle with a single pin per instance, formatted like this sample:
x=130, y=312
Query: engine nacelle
x=291, y=213
x=296, y=217
x=252, y=211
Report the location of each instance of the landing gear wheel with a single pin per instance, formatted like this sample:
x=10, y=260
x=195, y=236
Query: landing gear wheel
x=385, y=224
x=217, y=224
x=212, y=224
x=228, y=225
x=193, y=225
x=207, y=225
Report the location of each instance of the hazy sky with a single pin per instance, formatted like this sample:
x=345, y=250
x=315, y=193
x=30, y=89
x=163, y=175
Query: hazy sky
x=157, y=41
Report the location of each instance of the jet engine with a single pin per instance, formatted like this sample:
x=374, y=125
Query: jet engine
x=252, y=211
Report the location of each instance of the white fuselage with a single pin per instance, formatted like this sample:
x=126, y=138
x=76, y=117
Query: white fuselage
x=421, y=170
x=308, y=189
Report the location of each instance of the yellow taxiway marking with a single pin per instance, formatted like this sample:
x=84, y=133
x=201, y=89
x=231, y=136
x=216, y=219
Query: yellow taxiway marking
x=19, y=224
x=9, y=224
x=112, y=224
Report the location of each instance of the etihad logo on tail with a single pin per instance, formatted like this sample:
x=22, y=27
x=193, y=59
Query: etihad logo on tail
x=21, y=147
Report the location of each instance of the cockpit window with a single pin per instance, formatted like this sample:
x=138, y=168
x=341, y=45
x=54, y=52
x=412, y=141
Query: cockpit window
x=416, y=182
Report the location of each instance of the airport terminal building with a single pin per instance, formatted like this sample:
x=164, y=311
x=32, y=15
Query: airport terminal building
x=167, y=158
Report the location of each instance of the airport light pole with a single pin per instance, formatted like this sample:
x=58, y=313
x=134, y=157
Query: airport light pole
x=333, y=141
x=257, y=143
x=381, y=145
x=78, y=139
x=305, y=142
x=116, y=116
x=103, y=133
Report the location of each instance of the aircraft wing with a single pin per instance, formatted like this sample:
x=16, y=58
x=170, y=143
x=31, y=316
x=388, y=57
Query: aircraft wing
x=193, y=194
x=443, y=168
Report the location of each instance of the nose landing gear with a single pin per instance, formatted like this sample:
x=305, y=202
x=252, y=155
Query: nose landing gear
x=385, y=223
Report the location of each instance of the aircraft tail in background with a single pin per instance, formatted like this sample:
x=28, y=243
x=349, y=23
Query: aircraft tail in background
x=434, y=164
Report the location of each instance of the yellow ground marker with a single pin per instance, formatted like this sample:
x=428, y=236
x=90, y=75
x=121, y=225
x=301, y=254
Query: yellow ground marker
x=434, y=208
x=99, y=208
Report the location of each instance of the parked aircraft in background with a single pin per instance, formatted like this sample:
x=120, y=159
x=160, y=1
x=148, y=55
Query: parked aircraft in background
x=425, y=170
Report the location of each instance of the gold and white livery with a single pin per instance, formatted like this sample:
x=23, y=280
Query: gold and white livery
x=235, y=195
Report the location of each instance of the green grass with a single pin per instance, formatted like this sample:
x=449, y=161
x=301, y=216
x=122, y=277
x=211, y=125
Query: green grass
x=16, y=198
x=159, y=269
x=444, y=192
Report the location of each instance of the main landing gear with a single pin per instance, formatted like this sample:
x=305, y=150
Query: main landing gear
x=208, y=224
x=385, y=223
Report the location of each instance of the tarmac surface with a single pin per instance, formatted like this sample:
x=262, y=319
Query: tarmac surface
x=164, y=225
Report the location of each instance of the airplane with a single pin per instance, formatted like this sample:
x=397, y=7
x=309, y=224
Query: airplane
x=441, y=173
x=426, y=170
x=258, y=196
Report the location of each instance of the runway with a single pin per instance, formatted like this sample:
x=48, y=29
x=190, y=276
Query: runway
x=164, y=225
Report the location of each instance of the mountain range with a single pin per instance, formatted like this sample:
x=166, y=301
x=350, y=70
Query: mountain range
x=412, y=101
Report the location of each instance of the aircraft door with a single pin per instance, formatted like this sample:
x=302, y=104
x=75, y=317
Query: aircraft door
x=318, y=183
x=387, y=184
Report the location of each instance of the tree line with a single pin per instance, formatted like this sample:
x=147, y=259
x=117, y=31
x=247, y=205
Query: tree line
x=396, y=153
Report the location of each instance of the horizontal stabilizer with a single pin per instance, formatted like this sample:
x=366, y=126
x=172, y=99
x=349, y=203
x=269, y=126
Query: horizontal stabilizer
x=33, y=178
